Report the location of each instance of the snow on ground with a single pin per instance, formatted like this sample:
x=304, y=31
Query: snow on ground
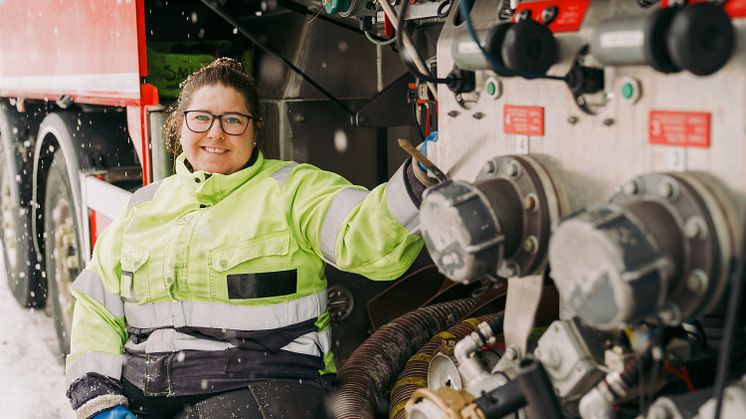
x=32, y=378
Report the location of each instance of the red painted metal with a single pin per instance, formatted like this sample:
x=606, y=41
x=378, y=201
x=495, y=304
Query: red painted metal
x=137, y=125
x=85, y=49
x=93, y=227
x=569, y=18
x=91, y=50
x=523, y=120
x=388, y=27
x=681, y=129
x=141, y=45
x=98, y=222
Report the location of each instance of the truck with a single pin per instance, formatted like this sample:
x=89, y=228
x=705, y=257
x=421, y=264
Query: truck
x=584, y=255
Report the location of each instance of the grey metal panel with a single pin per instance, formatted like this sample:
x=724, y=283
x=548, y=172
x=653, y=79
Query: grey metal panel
x=324, y=51
x=270, y=139
x=321, y=134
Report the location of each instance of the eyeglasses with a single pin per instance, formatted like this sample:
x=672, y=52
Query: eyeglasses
x=232, y=123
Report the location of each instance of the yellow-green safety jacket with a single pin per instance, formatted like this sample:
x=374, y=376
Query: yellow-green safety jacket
x=210, y=280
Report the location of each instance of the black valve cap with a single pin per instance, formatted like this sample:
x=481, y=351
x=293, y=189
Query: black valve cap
x=461, y=81
x=585, y=80
x=529, y=47
x=701, y=38
x=494, y=43
x=657, y=25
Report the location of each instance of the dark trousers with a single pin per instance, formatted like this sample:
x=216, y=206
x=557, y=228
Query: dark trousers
x=275, y=398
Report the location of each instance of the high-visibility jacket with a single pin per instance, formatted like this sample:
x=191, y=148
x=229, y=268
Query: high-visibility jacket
x=210, y=280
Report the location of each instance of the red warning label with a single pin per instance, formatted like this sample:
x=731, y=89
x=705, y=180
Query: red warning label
x=682, y=129
x=568, y=15
x=523, y=120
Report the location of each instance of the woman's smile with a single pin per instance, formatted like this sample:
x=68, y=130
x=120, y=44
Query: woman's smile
x=214, y=150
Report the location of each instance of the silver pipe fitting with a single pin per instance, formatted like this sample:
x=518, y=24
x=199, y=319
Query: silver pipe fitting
x=408, y=44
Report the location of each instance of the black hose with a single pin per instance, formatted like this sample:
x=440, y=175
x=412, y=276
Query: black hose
x=502, y=401
x=633, y=371
x=538, y=390
x=373, y=365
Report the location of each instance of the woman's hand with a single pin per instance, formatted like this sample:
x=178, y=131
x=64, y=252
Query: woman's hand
x=420, y=171
x=117, y=412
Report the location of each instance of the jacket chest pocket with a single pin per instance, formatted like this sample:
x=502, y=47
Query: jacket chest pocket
x=256, y=268
x=134, y=283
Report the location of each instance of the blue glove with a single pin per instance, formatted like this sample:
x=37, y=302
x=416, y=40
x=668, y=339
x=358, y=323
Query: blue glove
x=432, y=137
x=117, y=412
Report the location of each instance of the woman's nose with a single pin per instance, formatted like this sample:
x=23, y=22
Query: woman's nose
x=216, y=130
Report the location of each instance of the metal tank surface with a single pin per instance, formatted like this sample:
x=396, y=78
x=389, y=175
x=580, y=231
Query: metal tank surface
x=598, y=153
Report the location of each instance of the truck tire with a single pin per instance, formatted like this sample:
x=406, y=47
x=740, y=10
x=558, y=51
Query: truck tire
x=61, y=248
x=21, y=266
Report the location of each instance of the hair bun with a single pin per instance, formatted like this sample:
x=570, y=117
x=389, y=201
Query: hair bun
x=231, y=63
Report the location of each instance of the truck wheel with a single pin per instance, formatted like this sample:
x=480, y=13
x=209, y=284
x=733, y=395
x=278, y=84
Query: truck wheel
x=15, y=234
x=61, y=248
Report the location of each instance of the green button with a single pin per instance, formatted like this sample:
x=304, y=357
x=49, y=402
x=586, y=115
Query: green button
x=334, y=6
x=491, y=88
x=628, y=90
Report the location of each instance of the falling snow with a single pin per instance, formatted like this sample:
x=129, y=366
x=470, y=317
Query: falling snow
x=33, y=378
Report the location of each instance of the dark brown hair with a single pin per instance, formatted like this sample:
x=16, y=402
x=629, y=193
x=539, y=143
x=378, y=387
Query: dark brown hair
x=223, y=71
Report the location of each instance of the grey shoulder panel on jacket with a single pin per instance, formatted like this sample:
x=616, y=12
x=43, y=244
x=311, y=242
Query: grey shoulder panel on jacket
x=143, y=194
x=281, y=175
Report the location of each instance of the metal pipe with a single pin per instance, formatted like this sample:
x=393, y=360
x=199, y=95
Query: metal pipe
x=464, y=352
x=408, y=45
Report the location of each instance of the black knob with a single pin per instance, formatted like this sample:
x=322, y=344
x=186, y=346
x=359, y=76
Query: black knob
x=529, y=47
x=656, y=51
x=493, y=45
x=582, y=80
x=701, y=38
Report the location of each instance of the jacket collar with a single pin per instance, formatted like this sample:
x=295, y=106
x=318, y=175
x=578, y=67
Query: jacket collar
x=210, y=188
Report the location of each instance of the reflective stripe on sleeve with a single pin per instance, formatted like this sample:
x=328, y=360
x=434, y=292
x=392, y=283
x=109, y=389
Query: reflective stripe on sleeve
x=345, y=201
x=282, y=175
x=90, y=284
x=102, y=363
x=224, y=316
x=400, y=203
x=146, y=193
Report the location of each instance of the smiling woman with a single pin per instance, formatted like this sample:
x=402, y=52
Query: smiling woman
x=224, y=147
x=224, y=92
x=208, y=294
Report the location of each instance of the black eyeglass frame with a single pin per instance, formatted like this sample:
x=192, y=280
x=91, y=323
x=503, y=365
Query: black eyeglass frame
x=219, y=117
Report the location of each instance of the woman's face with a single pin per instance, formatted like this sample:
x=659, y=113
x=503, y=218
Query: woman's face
x=215, y=151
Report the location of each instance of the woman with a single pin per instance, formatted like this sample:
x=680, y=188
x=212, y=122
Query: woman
x=207, y=298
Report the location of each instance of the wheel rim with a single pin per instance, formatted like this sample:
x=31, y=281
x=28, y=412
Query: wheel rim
x=65, y=256
x=10, y=241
